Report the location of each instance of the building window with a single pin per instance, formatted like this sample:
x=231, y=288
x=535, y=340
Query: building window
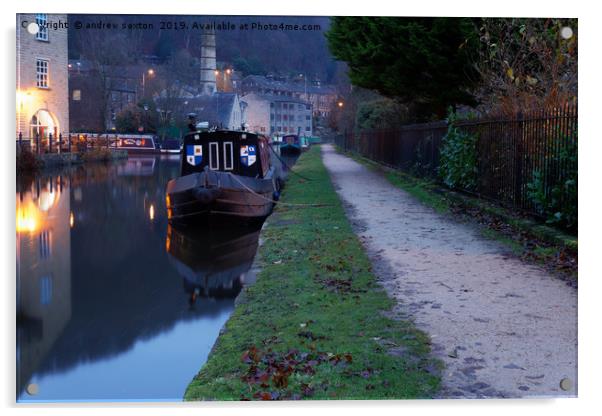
x=42, y=73
x=308, y=107
x=307, y=128
x=42, y=21
x=77, y=95
x=307, y=117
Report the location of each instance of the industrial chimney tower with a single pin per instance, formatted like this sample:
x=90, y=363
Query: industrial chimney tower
x=208, y=66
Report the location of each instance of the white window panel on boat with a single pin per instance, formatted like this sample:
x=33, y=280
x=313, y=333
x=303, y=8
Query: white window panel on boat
x=228, y=156
x=213, y=156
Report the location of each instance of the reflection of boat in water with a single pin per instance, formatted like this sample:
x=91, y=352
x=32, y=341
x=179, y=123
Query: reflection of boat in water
x=225, y=174
x=137, y=166
x=213, y=262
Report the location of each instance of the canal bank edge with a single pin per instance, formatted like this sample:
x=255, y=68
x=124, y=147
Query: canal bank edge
x=28, y=162
x=315, y=325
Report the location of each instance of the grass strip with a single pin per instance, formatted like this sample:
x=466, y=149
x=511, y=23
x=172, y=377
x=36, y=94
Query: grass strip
x=315, y=323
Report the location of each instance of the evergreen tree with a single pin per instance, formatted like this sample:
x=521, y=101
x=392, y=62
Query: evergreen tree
x=427, y=63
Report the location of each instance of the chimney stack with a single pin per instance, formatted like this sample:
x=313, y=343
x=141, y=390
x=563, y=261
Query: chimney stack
x=208, y=65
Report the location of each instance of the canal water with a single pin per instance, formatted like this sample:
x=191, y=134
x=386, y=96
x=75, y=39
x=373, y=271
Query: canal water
x=113, y=304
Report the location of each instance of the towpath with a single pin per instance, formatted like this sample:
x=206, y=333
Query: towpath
x=503, y=328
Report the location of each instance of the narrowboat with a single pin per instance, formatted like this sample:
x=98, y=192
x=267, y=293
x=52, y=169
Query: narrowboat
x=225, y=174
x=304, y=143
x=171, y=146
x=290, y=144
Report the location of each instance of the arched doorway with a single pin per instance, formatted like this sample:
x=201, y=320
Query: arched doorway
x=42, y=123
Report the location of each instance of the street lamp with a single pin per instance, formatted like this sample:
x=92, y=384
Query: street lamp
x=150, y=73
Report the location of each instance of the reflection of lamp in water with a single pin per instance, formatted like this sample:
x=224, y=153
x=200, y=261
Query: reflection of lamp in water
x=167, y=204
x=151, y=212
x=47, y=200
x=71, y=220
x=28, y=218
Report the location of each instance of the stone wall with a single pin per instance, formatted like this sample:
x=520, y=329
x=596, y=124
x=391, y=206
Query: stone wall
x=31, y=98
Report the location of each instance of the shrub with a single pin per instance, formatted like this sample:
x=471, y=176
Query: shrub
x=458, y=157
x=27, y=161
x=98, y=154
x=383, y=113
x=559, y=204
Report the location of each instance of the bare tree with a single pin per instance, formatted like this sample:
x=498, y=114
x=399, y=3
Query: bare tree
x=105, y=51
x=527, y=63
x=177, y=78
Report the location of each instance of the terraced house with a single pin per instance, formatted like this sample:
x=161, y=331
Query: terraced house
x=278, y=115
x=42, y=79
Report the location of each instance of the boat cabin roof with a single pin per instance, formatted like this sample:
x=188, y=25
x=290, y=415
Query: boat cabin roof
x=239, y=152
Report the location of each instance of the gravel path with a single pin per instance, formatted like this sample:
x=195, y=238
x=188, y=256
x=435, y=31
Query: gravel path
x=503, y=328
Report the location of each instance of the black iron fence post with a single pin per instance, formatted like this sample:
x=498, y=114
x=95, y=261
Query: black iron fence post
x=49, y=142
x=38, y=143
x=518, y=161
x=60, y=142
x=20, y=141
x=69, y=143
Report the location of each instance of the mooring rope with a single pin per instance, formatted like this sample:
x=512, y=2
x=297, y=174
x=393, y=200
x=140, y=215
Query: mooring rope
x=273, y=200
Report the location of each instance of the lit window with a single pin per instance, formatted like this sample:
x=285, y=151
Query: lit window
x=42, y=21
x=42, y=73
x=77, y=95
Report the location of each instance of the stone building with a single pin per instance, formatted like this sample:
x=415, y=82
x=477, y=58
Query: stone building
x=123, y=88
x=321, y=97
x=220, y=110
x=42, y=80
x=278, y=115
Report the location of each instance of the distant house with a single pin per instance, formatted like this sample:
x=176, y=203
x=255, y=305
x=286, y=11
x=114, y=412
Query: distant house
x=321, y=97
x=42, y=82
x=219, y=110
x=277, y=115
x=123, y=88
